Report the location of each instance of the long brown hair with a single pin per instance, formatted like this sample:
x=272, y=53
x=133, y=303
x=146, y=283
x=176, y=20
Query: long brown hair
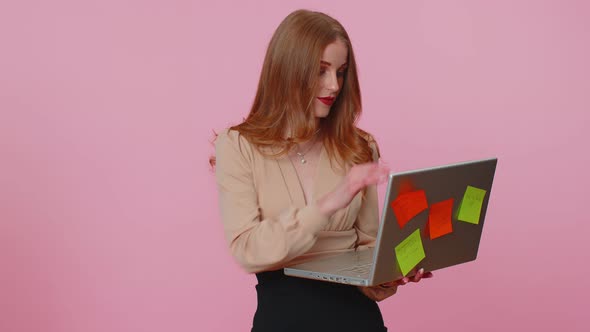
x=287, y=87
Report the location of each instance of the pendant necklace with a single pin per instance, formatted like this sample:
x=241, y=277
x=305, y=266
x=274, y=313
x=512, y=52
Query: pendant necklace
x=302, y=154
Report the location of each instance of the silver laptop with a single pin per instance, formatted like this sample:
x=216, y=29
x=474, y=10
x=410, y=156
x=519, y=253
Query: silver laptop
x=397, y=248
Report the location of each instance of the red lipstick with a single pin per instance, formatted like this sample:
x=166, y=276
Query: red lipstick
x=327, y=100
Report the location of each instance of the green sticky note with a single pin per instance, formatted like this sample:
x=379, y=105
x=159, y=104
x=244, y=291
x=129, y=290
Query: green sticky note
x=470, y=207
x=410, y=252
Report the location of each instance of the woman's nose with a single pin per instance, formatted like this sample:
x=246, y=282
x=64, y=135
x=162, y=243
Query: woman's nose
x=333, y=82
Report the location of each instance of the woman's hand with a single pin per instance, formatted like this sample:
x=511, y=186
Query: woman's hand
x=383, y=291
x=378, y=293
x=359, y=177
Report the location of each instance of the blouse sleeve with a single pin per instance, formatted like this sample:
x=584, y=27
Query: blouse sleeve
x=258, y=244
x=367, y=222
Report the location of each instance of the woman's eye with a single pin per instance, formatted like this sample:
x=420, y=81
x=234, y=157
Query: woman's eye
x=322, y=71
x=340, y=73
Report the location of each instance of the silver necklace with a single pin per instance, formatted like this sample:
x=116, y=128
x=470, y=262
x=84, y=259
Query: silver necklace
x=302, y=154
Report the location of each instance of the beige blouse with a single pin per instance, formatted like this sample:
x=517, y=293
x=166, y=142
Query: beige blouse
x=267, y=222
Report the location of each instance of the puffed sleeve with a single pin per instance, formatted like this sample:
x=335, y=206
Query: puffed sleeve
x=367, y=222
x=258, y=244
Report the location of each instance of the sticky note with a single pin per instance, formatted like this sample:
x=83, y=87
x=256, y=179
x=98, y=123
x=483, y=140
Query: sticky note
x=407, y=205
x=470, y=207
x=410, y=252
x=439, y=218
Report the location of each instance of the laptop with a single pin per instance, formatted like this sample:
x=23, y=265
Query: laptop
x=432, y=218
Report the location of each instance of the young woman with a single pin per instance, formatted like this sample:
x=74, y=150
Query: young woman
x=297, y=180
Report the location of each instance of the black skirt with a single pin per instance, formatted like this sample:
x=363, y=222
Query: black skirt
x=296, y=304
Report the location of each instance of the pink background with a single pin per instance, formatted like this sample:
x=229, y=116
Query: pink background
x=108, y=210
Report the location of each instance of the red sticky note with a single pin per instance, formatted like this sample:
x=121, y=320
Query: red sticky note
x=439, y=219
x=407, y=205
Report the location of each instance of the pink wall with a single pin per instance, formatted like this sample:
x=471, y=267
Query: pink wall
x=108, y=216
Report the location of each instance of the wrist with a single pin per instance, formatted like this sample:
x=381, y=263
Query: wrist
x=326, y=207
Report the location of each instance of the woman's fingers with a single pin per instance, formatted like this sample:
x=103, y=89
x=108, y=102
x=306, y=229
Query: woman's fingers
x=375, y=174
x=421, y=275
x=403, y=281
x=359, y=177
x=418, y=275
x=364, y=175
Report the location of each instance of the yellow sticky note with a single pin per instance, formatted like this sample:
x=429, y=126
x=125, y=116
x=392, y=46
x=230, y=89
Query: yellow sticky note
x=410, y=252
x=470, y=207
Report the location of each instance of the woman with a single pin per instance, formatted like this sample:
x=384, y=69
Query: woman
x=297, y=180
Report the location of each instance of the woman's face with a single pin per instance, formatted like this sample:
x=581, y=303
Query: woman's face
x=333, y=65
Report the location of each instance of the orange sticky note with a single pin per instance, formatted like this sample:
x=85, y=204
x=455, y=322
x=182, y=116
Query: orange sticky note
x=439, y=219
x=407, y=205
